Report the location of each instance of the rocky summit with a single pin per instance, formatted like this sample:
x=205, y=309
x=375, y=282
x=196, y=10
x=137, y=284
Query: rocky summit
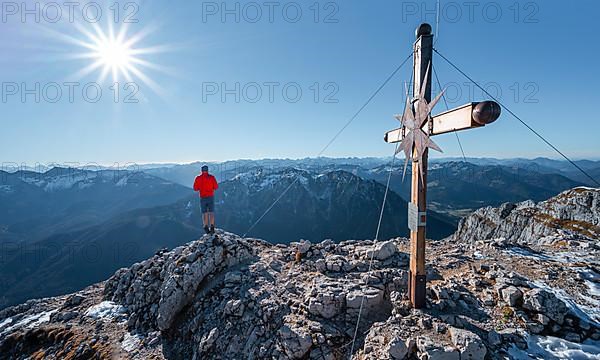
x=492, y=294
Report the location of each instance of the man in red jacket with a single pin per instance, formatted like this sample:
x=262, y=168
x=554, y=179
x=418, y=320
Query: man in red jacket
x=206, y=184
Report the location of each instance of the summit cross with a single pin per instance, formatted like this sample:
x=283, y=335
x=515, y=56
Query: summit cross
x=414, y=137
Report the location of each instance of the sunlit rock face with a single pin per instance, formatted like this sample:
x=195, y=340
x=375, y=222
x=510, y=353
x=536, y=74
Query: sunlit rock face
x=571, y=218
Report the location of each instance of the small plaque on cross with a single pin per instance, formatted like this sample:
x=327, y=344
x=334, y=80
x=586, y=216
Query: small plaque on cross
x=415, y=218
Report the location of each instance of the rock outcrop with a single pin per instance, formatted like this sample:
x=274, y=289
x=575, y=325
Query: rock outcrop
x=233, y=296
x=571, y=218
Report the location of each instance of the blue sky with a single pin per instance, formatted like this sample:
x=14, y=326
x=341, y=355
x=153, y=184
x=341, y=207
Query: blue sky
x=546, y=50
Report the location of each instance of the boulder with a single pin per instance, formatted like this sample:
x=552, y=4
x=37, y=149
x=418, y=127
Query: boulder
x=296, y=341
x=468, y=343
x=512, y=296
x=513, y=335
x=328, y=304
x=233, y=278
x=430, y=350
x=372, y=299
x=383, y=250
x=73, y=300
x=573, y=337
x=397, y=349
x=488, y=300
x=543, y=319
x=534, y=327
x=545, y=302
x=335, y=263
x=494, y=338
x=304, y=246
x=440, y=292
x=386, y=341
x=234, y=308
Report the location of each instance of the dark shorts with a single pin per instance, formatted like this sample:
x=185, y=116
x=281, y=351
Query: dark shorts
x=207, y=204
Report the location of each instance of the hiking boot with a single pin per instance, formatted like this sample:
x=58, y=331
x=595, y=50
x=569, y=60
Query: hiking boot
x=212, y=229
x=207, y=229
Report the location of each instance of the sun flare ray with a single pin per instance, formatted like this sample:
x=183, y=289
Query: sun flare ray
x=114, y=51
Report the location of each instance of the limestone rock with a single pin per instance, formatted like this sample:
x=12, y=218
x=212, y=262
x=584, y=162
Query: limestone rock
x=370, y=299
x=575, y=213
x=429, y=350
x=383, y=250
x=245, y=298
x=304, y=246
x=468, y=343
x=181, y=287
x=208, y=340
x=494, y=338
x=512, y=296
x=327, y=304
x=234, y=308
x=398, y=349
x=385, y=342
x=296, y=341
x=546, y=303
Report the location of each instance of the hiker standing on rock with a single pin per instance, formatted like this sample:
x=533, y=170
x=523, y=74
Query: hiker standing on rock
x=206, y=184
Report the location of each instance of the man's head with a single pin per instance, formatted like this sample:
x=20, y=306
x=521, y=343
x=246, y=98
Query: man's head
x=205, y=169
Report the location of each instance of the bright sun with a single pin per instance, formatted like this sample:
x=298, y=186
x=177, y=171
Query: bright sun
x=114, y=54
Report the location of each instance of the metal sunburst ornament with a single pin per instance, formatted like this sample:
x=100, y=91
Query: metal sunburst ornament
x=412, y=122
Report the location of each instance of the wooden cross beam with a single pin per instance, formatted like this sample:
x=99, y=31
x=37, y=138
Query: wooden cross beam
x=418, y=120
x=468, y=116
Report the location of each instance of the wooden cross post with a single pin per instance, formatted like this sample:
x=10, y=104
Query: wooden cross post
x=423, y=54
x=468, y=116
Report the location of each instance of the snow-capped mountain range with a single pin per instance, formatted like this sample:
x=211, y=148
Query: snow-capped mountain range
x=75, y=241
x=36, y=205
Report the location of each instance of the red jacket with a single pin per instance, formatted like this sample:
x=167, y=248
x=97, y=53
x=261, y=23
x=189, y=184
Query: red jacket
x=206, y=184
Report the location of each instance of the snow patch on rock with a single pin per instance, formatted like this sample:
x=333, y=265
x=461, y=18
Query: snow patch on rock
x=592, y=281
x=551, y=348
x=105, y=310
x=29, y=322
x=5, y=323
x=131, y=342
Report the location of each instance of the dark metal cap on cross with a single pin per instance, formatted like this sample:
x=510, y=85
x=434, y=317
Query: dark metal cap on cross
x=423, y=29
x=486, y=112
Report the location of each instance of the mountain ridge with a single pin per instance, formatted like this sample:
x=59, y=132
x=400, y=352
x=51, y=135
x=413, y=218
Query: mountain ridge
x=335, y=205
